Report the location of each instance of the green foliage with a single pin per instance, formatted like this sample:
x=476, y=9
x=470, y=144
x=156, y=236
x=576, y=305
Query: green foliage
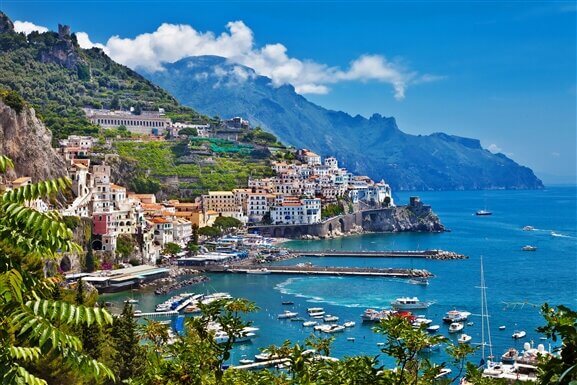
x=58, y=93
x=561, y=324
x=145, y=185
x=227, y=223
x=128, y=356
x=209, y=231
x=13, y=100
x=260, y=137
x=172, y=249
x=34, y=324
x=332, y=210
x=189, y=131
x=125, y=245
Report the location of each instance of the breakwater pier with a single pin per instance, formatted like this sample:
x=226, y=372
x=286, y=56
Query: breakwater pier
x=426, y=254
x=320, y=270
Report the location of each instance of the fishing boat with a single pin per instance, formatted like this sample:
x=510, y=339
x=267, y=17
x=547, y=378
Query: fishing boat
x=349, y=324
x=529, y=248
x=409, y=303
x=433, y=328
x=287, y=314
x=464, y=339
x=518, y=334
x=455, y=327
x=510, y=356
x=456, y=316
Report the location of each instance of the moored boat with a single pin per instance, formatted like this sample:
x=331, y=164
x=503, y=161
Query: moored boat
x=372, y=315
x=456, y=316
x=331, y=318
x=349, y=324
x=287, y=314
x=309, y=323
x=464, y=338
x=409, y=303
x=433, y=328
x=519, y=334
x=455, y=327
x=510, y=356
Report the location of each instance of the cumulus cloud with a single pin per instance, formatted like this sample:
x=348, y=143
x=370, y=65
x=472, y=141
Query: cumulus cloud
x=494, y=148
x=28, y=27
x=172, y=42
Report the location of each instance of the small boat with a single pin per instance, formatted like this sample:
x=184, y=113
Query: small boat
x=419, y=281
x=470, y=323
x=264, y=356
x=529, y=248
x=352, y=339
x=380, y=344
x=519, y=334
x=333, y=329
x=483, y=212
x=510, y=356
x=372, y=315
x=309, y=323
x=528, y=228
x=502, y=327
x=433, y=328
x=245, y=361
x=288, y=303
x=456, y=316
x=455, y=327
x=331, y=318
x=297, y=319
x=409, y=303
x=464, y=338
x=349, y=324
x=315, y=309
x=287, y=314
x=263, y=270
x=131, y=301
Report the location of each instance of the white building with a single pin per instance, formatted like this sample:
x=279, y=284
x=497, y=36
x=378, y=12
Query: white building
x=294, y=211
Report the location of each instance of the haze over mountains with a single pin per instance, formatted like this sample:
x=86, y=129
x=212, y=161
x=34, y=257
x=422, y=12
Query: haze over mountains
x=374, y=147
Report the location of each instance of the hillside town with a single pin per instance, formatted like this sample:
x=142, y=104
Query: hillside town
x=303, y=191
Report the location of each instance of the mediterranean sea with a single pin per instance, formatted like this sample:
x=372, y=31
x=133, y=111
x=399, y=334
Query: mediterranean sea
x=518, y=282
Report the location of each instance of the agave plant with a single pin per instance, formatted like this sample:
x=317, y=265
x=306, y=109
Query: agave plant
x=32, y=325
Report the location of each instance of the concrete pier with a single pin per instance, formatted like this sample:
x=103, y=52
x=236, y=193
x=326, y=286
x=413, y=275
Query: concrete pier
x=321, y=270
x=426, y=254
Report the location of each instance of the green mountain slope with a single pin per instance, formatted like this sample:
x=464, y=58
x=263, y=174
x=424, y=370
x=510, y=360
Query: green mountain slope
x=374, y=146
x=59, y=78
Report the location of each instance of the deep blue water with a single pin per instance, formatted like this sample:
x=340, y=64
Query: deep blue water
x=518, y=282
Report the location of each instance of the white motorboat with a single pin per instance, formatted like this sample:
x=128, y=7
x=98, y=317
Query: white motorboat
x=333, y=329
x=308, y=324
x=331, y=318
x=502, y=327
x=349, y=324
x=131, y=301
x=245, y=361
x=421, y=320
x=483, y=212
x=372, y=315
x=456, y=316
x=519, y=334
x=433, y=328
x=352, y=339
x=455, y=327
x=528, y=228
x=287, y=314
x=409, y=303
x=419, y=281
x=315, y=309
x=465, y=338
x=529, y=248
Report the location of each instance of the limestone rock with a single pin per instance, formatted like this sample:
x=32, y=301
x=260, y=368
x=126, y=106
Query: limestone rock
x=25, y=139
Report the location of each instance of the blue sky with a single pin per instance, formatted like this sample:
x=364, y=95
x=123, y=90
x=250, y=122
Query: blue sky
x=503, y=72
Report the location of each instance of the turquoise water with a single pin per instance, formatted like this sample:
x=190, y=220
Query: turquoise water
x=518, y=282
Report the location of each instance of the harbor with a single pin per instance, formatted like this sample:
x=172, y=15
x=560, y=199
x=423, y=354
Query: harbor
x=321, y=270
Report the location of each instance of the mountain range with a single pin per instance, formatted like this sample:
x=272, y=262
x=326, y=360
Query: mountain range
x=372, y=146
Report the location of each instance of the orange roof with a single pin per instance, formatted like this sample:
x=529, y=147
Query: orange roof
x=116, y=187
x=159, y=220
x=152, y=206
x=291, y=204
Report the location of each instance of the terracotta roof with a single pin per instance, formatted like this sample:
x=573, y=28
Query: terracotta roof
x=159, y=220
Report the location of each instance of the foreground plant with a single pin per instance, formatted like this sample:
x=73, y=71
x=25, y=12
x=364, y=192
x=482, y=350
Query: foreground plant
x=32, y=325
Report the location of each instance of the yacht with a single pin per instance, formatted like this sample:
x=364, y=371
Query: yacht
x=409, y=303
x=287, y=314
x=456, y=316
x=519, y=334
x=464, y=338
x=455, y=327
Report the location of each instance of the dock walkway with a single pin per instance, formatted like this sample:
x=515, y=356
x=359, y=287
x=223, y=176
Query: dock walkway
x=427, y=254
x=321, y=270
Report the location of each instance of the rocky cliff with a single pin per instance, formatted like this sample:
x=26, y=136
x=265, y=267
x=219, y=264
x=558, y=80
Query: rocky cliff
x=419, y=218
x=25, y=139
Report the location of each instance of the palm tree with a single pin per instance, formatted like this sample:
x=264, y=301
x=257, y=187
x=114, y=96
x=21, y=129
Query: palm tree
x=32, y=324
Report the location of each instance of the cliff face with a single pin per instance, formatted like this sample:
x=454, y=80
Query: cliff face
x=403, y=218
x=27, y=142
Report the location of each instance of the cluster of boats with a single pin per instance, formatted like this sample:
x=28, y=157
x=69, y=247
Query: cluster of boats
x=317, y=315
x=188, y=302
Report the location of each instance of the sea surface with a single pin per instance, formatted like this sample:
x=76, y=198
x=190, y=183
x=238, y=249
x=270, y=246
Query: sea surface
x=518, y=282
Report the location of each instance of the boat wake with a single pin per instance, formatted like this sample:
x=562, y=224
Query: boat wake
x=559, y=235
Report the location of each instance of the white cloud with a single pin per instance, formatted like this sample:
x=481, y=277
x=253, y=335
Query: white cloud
x=172, y=42
x=27, y=27
x=84, y=41
x=494, y=148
